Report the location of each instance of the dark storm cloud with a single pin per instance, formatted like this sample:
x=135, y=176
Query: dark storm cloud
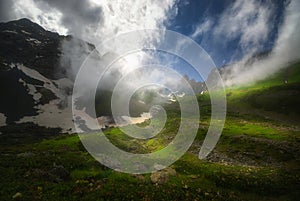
x=78, y=16
x=6, y=13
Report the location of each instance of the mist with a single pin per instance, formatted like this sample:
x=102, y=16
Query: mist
x=252, y=67
x=108, y=67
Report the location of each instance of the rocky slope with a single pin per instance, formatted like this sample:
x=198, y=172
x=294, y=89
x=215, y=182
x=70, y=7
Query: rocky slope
x=34, y=86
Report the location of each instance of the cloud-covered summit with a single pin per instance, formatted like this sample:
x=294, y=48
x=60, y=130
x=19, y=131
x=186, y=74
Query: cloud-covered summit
x=91, y=20
x=77, y=16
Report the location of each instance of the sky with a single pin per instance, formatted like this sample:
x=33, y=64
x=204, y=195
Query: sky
x=228, y=30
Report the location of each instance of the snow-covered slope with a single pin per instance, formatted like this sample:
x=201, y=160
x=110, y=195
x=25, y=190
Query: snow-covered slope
x=34, y=87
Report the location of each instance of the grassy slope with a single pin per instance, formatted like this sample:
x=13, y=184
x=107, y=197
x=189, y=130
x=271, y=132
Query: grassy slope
x=269, y=98
x=257, y=157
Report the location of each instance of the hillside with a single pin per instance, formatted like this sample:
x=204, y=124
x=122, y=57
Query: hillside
x=275, y=98
x=257, y=157
x=29, y=77
x=35, y=81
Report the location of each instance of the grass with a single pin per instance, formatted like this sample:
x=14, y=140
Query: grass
x=271, y=98
x=257, y=157
x=88, y=180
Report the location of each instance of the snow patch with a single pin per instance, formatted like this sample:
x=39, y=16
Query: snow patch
x=50, y=115
x=126, y=120
x=48, y=84
x=8, y=31
x=37, y=42
x=91, y=123
x=32, y=91
x=106, y=121
x=25, y=32
x=135, y=120
x=64, y=83
x=2, y=120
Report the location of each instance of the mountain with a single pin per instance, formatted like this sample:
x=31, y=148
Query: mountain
x=37, y=73
x=25, y=42
x=35, y=87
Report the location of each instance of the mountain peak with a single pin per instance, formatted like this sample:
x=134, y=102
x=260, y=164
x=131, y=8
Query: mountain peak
x=23, y=41
x=23, y=23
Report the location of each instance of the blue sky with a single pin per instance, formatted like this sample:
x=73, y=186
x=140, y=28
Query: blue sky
x=193, y=13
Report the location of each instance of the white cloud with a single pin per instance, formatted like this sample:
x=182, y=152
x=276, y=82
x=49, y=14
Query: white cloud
x=49, y=19
x=286, y=50
x=96, y=20
x=202, y=28
x=288, y=43
x=123, y=16
x=248, y=20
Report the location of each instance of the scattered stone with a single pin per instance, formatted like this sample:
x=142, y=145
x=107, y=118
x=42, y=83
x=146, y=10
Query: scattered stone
x=159, y=178
x=39, y=172
x=170, y=171
x=140, y=177
x=56, y=174
x=26, y=155
x=17, y=195
x=59, y=173
x=27, y=174
x=193, y=176
x=162, y=176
